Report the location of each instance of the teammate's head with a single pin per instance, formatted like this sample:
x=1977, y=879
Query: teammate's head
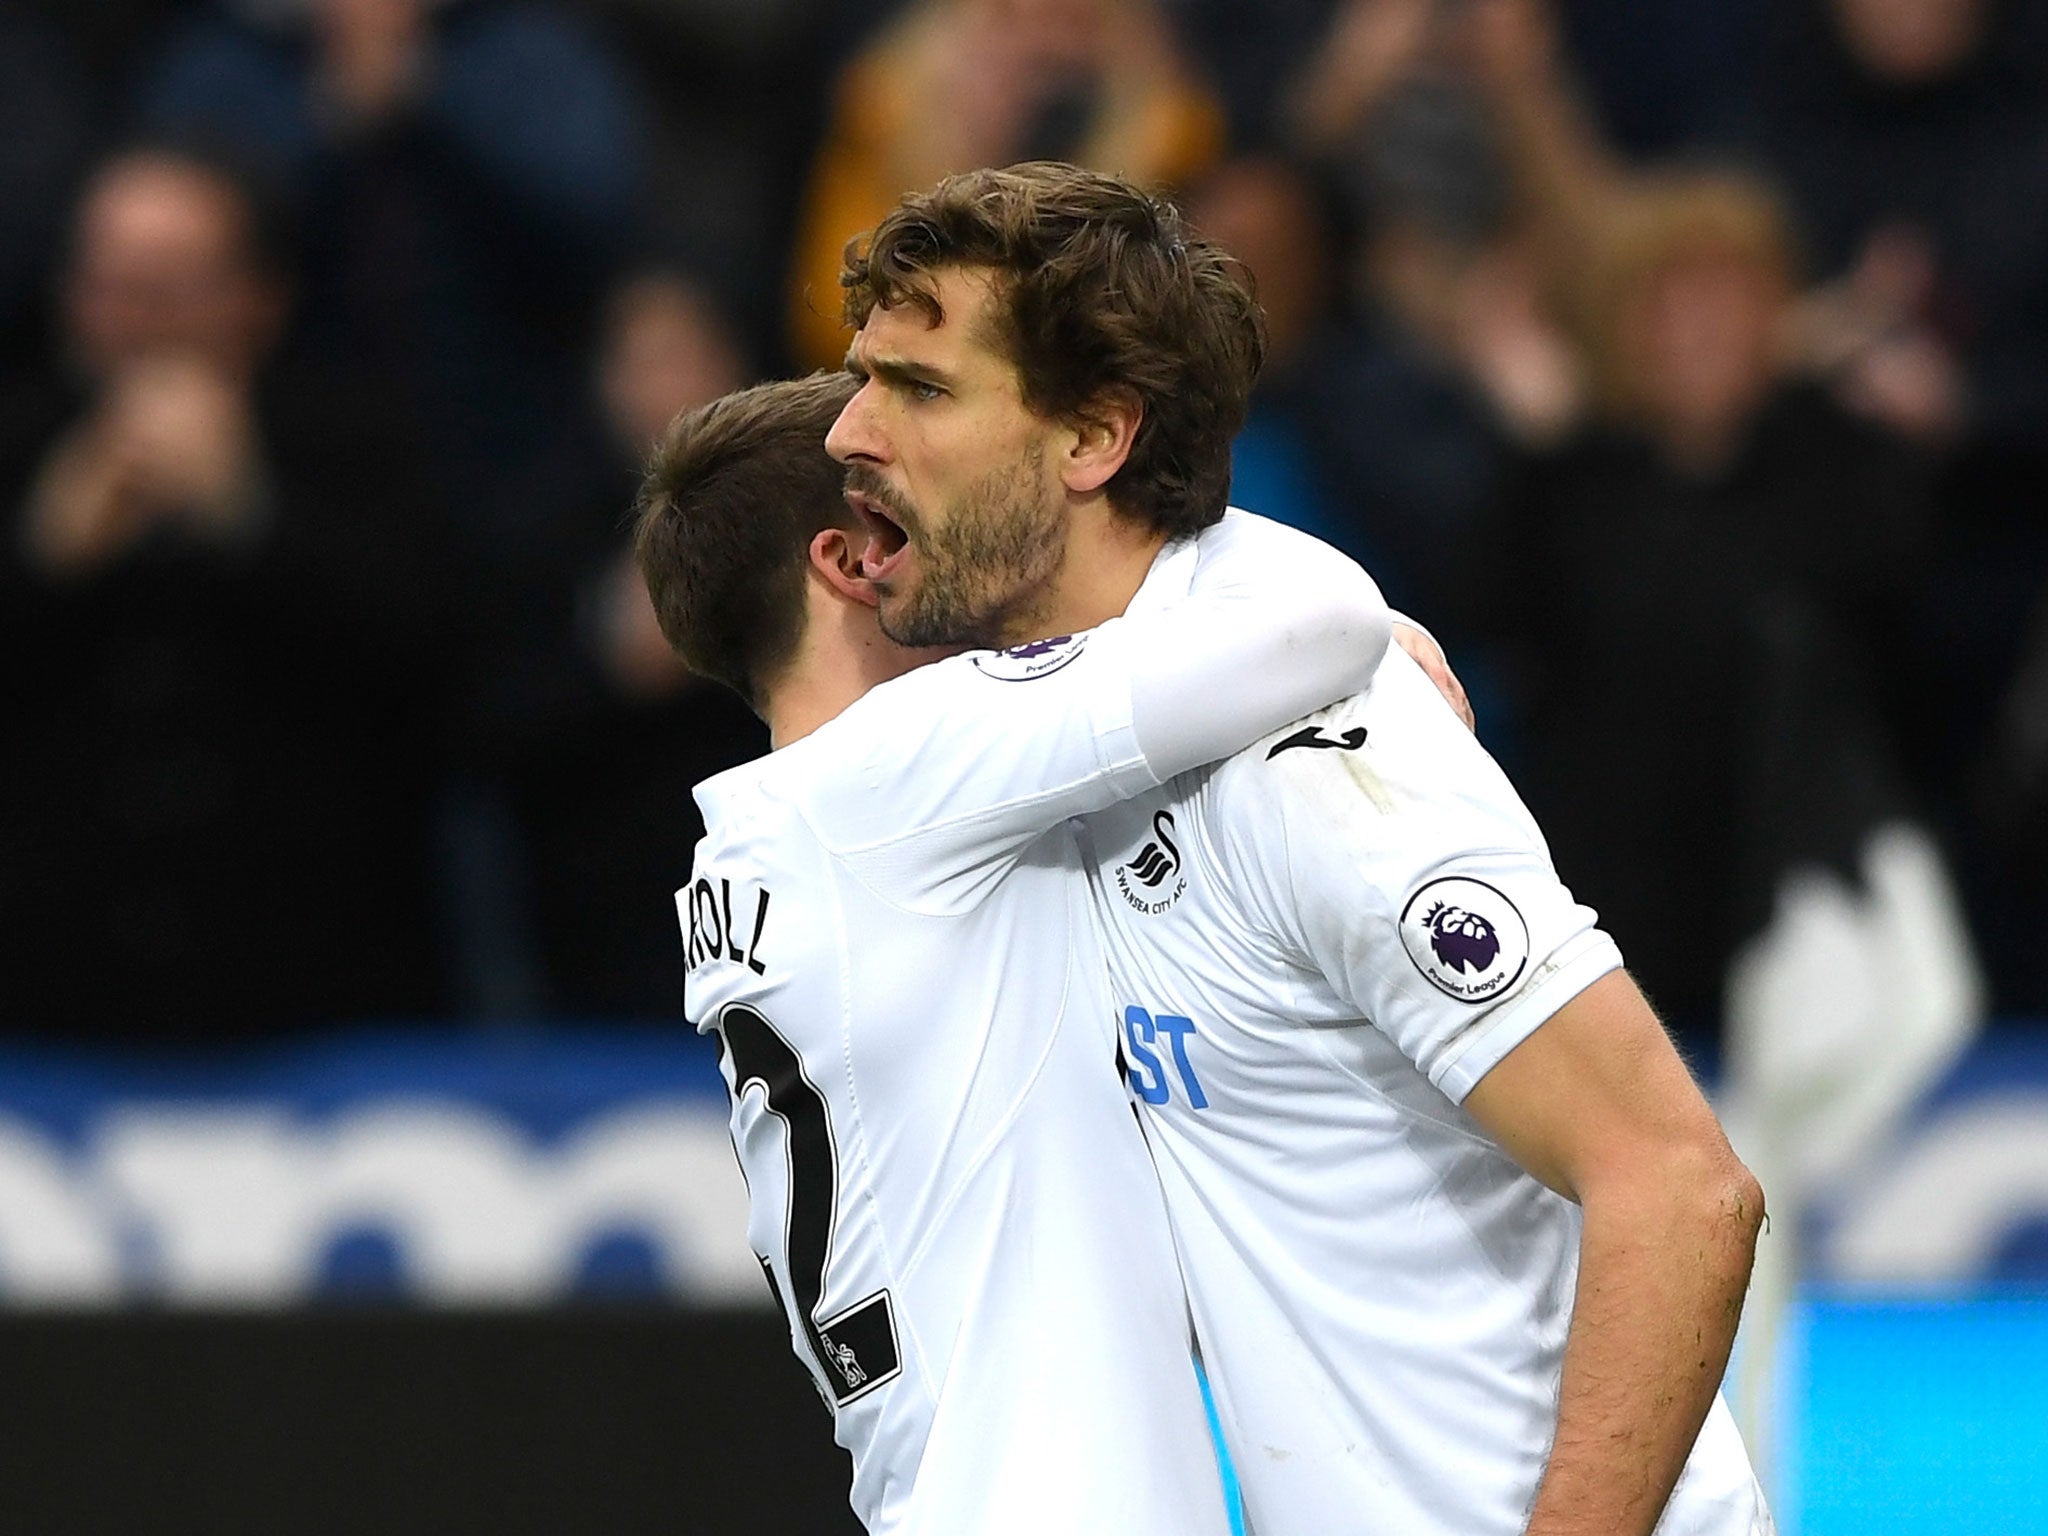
x=1030, y=338
x=733, y=496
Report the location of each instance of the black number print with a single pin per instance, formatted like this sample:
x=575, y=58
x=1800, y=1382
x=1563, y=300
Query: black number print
x=857, y=1348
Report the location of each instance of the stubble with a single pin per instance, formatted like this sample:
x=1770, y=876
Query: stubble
x=987, y=566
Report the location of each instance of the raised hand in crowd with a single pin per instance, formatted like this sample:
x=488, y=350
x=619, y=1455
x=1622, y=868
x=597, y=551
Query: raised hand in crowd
x=171, y=444
x=371, y=54
x=998, y=79
x=1870, y=333
x=1506, y=43
x=1371, y=44
x=1522, y=362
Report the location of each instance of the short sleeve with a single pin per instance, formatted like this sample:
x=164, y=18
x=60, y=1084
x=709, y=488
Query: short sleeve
x=1390, y=855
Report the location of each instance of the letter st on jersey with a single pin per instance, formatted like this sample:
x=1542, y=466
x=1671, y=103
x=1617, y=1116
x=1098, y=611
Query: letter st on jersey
x=1151, y=1041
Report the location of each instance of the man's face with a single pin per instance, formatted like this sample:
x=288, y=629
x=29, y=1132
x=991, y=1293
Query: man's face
x=1911, y=41
x=161, y=265
x=1700, y=338
x=954, y=476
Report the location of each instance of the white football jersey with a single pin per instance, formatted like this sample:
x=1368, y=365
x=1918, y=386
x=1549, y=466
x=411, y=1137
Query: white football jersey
x=1318, y=948
x=888, y=927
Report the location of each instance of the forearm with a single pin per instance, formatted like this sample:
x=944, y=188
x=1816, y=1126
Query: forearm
x=1219, y=675
x=1663, y=1264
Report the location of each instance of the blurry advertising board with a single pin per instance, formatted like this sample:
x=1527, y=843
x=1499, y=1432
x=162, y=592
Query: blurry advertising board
x=494, y=1168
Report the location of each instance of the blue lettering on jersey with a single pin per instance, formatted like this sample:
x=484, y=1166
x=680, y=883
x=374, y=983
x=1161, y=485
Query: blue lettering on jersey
x=1141, y=1029
x=1137, y=1030
x=1178, y=1029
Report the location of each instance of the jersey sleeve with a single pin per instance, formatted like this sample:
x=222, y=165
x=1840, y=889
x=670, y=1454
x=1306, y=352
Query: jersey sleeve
x=1391, y=855
x=965, y=763
x=1274, y=620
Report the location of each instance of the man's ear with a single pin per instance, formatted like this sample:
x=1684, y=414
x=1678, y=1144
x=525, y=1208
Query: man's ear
x=1102, y=439
x=835, y=560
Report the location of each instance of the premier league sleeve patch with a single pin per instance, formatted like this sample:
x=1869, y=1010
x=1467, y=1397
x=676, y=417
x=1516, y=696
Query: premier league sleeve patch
x=1022, y=663
x=1466, y=937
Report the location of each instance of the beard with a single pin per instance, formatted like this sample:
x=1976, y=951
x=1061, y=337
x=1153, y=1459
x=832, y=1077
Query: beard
x=984, y=566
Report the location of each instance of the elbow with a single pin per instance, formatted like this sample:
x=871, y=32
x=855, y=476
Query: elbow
x=1371, y=622
x=1695, y=1192
x=1352, y=627
x=1740, y=1199
x=1721, y=1200
x=1735, y=1219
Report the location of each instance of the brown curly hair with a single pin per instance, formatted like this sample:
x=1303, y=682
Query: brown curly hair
x=1107, y=290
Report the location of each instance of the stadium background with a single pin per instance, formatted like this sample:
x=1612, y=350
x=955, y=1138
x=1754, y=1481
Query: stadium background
x=1685, y=366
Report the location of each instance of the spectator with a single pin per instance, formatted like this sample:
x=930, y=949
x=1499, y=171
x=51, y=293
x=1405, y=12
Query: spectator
x=738, y=92
x=469, y=172
x=1706, y=585
x=956, y=84
x=215, y=817
x=1913, y=138
x=1442, y=358
x=602, y=786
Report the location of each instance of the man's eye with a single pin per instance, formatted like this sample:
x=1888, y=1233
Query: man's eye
x=923, y=392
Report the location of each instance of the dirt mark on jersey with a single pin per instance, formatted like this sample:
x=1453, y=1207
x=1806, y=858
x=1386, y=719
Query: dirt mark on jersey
x=1370, y=784
x=1347, y=795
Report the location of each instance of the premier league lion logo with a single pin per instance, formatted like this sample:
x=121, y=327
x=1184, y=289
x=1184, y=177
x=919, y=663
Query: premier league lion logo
x=1462, y=939
x=1022, y=663
x=1466, y=936
x=1033, y=648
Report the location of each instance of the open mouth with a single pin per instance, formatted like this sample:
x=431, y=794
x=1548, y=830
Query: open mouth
x=888, y=544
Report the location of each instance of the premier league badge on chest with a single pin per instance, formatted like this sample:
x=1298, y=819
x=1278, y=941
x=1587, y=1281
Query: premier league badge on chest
x=1466, y=937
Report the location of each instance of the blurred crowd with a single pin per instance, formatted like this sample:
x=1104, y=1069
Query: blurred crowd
x=1684, y=366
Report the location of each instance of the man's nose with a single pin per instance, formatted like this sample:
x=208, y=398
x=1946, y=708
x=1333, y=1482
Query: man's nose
x=853, y=435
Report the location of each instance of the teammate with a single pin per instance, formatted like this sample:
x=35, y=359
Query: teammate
x=890, y=934
x=1466, y=1246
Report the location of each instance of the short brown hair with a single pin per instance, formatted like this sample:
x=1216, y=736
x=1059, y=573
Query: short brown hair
x=1105, y=289
x=732, y=497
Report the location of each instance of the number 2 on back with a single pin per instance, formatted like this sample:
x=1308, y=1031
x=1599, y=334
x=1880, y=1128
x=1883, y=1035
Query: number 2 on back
x=856, y=1349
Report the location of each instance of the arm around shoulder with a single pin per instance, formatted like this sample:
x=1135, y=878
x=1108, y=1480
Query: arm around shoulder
x=977, y=756
x=1276, y=624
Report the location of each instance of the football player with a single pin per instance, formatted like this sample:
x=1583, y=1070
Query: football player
x=1466, y=1246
